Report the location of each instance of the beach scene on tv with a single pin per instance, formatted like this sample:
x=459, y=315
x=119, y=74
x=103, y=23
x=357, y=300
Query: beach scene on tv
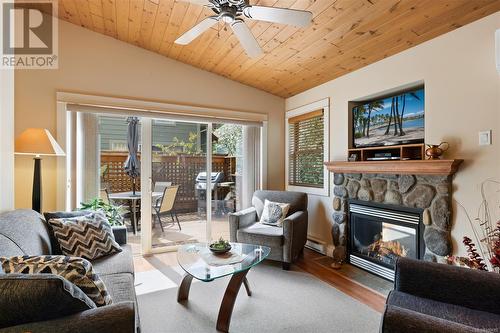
x=391, y=121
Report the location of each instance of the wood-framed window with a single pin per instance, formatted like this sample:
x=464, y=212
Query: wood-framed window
x=307, y=148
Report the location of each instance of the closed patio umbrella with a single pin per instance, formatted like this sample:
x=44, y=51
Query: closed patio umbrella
x=132, y=165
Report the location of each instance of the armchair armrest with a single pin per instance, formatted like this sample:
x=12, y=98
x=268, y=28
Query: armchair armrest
x=242, y=219
x=399, y=320
x=295, y=234
x=449, y=284
x=119, y=317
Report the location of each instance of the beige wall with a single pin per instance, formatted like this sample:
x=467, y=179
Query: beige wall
x=95, y=64
x=6, y=139
x=462, y=90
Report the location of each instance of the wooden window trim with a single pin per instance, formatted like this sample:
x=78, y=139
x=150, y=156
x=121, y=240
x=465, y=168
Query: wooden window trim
x=294, y=117
x=305, y=116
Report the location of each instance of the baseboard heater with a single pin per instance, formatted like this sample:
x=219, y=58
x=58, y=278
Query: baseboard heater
x=316, y=245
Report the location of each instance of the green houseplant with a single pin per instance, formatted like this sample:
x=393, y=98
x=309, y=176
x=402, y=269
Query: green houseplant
x=114, y=214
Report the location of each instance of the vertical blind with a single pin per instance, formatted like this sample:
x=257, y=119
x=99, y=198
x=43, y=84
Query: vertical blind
x=306, y=153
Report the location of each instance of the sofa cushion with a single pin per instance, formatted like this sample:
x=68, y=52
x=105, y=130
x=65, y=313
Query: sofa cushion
x=261, y=234
x=121, y=288
x=401, y=320
x=56, y=249
x=74, y=269
x=88, y=236
x=450, y=312
x=117, y=263
x=30, y=298
x=24, y=232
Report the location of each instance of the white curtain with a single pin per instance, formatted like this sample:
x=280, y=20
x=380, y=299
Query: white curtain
x=250, y=182
x=87, y=161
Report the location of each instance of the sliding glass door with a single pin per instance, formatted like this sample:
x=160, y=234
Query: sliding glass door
x=189, y=177
x=198, y=173
x=178, y=181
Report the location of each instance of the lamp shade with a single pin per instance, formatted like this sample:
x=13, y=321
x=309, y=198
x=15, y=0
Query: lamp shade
x=37, y=141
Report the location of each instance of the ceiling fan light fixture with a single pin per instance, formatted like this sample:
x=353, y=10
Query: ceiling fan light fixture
x=227, y=18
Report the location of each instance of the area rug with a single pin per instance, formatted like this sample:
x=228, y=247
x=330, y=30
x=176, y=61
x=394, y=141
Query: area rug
x=282, y=301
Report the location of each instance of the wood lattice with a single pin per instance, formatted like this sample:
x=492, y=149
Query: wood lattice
x=180, y=170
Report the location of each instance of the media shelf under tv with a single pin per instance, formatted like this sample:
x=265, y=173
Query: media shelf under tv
x=389, y=153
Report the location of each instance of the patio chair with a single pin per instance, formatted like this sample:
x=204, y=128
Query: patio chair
x=160, y=187
x=166, y=205
x=104, y=196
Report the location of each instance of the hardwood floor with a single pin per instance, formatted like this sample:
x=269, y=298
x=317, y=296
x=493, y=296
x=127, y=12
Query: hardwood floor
x=311, y=263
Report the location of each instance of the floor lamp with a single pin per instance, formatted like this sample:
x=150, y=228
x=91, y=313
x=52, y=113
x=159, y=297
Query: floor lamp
x=37, y=142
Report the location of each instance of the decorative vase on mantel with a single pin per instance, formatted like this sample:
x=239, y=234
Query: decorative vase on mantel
x=434, y=152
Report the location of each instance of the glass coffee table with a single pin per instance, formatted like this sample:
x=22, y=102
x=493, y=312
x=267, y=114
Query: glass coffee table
x=200, y=263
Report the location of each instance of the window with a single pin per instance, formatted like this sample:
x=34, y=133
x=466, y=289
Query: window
x=307, y=148
x=118, y=145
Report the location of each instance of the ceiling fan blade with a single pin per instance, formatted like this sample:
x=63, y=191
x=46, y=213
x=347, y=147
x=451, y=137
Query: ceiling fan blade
x=197, y=2
x=197, y=30
x=247, y=40
x=299, y=18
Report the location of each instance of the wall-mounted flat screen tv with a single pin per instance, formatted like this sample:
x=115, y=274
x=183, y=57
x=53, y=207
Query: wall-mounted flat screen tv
x=394, y=120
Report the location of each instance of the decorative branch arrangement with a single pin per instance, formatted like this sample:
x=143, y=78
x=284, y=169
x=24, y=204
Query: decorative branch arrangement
x=487, y=233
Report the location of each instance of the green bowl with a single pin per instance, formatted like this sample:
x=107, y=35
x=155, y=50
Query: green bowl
x=218, y=250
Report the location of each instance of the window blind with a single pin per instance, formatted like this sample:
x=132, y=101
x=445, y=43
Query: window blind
x=306, y=153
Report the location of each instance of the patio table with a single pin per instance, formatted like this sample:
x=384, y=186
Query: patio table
x=133, y=200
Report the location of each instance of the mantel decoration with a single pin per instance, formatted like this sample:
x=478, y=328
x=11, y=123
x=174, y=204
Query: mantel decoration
x=434, y=152
x=485, y=253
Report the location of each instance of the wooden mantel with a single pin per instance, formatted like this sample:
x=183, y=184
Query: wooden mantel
x=413, y=167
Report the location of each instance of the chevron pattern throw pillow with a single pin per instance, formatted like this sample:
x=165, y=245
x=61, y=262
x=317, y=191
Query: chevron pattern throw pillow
x=88, y=236
x=76, y=270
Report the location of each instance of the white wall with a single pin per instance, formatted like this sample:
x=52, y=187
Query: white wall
x=462, y=97
x=91, y=63
x=6, y=139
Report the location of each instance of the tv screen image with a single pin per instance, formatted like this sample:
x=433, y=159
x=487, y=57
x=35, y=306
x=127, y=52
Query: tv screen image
x=394, y=120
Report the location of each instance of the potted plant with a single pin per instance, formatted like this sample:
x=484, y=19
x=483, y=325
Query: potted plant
x=113, y=213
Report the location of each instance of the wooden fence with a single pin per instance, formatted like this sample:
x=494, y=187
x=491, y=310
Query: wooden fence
x=179, y=170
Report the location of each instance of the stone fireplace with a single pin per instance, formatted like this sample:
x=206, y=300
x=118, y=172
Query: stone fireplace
x=426, y=195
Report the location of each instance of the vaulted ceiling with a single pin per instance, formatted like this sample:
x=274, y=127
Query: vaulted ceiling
x=345, y=35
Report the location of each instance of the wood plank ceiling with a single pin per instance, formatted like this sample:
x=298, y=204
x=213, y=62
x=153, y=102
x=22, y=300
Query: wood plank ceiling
x=345, y=35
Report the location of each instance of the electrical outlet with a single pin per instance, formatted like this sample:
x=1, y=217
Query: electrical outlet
x=485, y=138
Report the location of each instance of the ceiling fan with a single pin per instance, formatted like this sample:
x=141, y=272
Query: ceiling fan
x=230, y=11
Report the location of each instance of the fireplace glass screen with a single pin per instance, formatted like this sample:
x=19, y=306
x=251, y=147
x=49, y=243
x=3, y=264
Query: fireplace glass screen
x=382, y=241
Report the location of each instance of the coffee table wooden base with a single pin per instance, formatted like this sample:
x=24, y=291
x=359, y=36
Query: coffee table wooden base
x=227, y=305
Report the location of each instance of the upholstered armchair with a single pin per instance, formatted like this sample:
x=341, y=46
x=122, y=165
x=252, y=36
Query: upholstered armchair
x=438, y=298
x=286, y=242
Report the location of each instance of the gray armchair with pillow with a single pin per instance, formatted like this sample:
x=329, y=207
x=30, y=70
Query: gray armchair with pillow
x=49, y=303
x=286, y=242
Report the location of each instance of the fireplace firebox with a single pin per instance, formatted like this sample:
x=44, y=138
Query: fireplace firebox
x=380, y=233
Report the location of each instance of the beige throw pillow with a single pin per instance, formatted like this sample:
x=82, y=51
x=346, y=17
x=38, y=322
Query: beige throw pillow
x=274, y=213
